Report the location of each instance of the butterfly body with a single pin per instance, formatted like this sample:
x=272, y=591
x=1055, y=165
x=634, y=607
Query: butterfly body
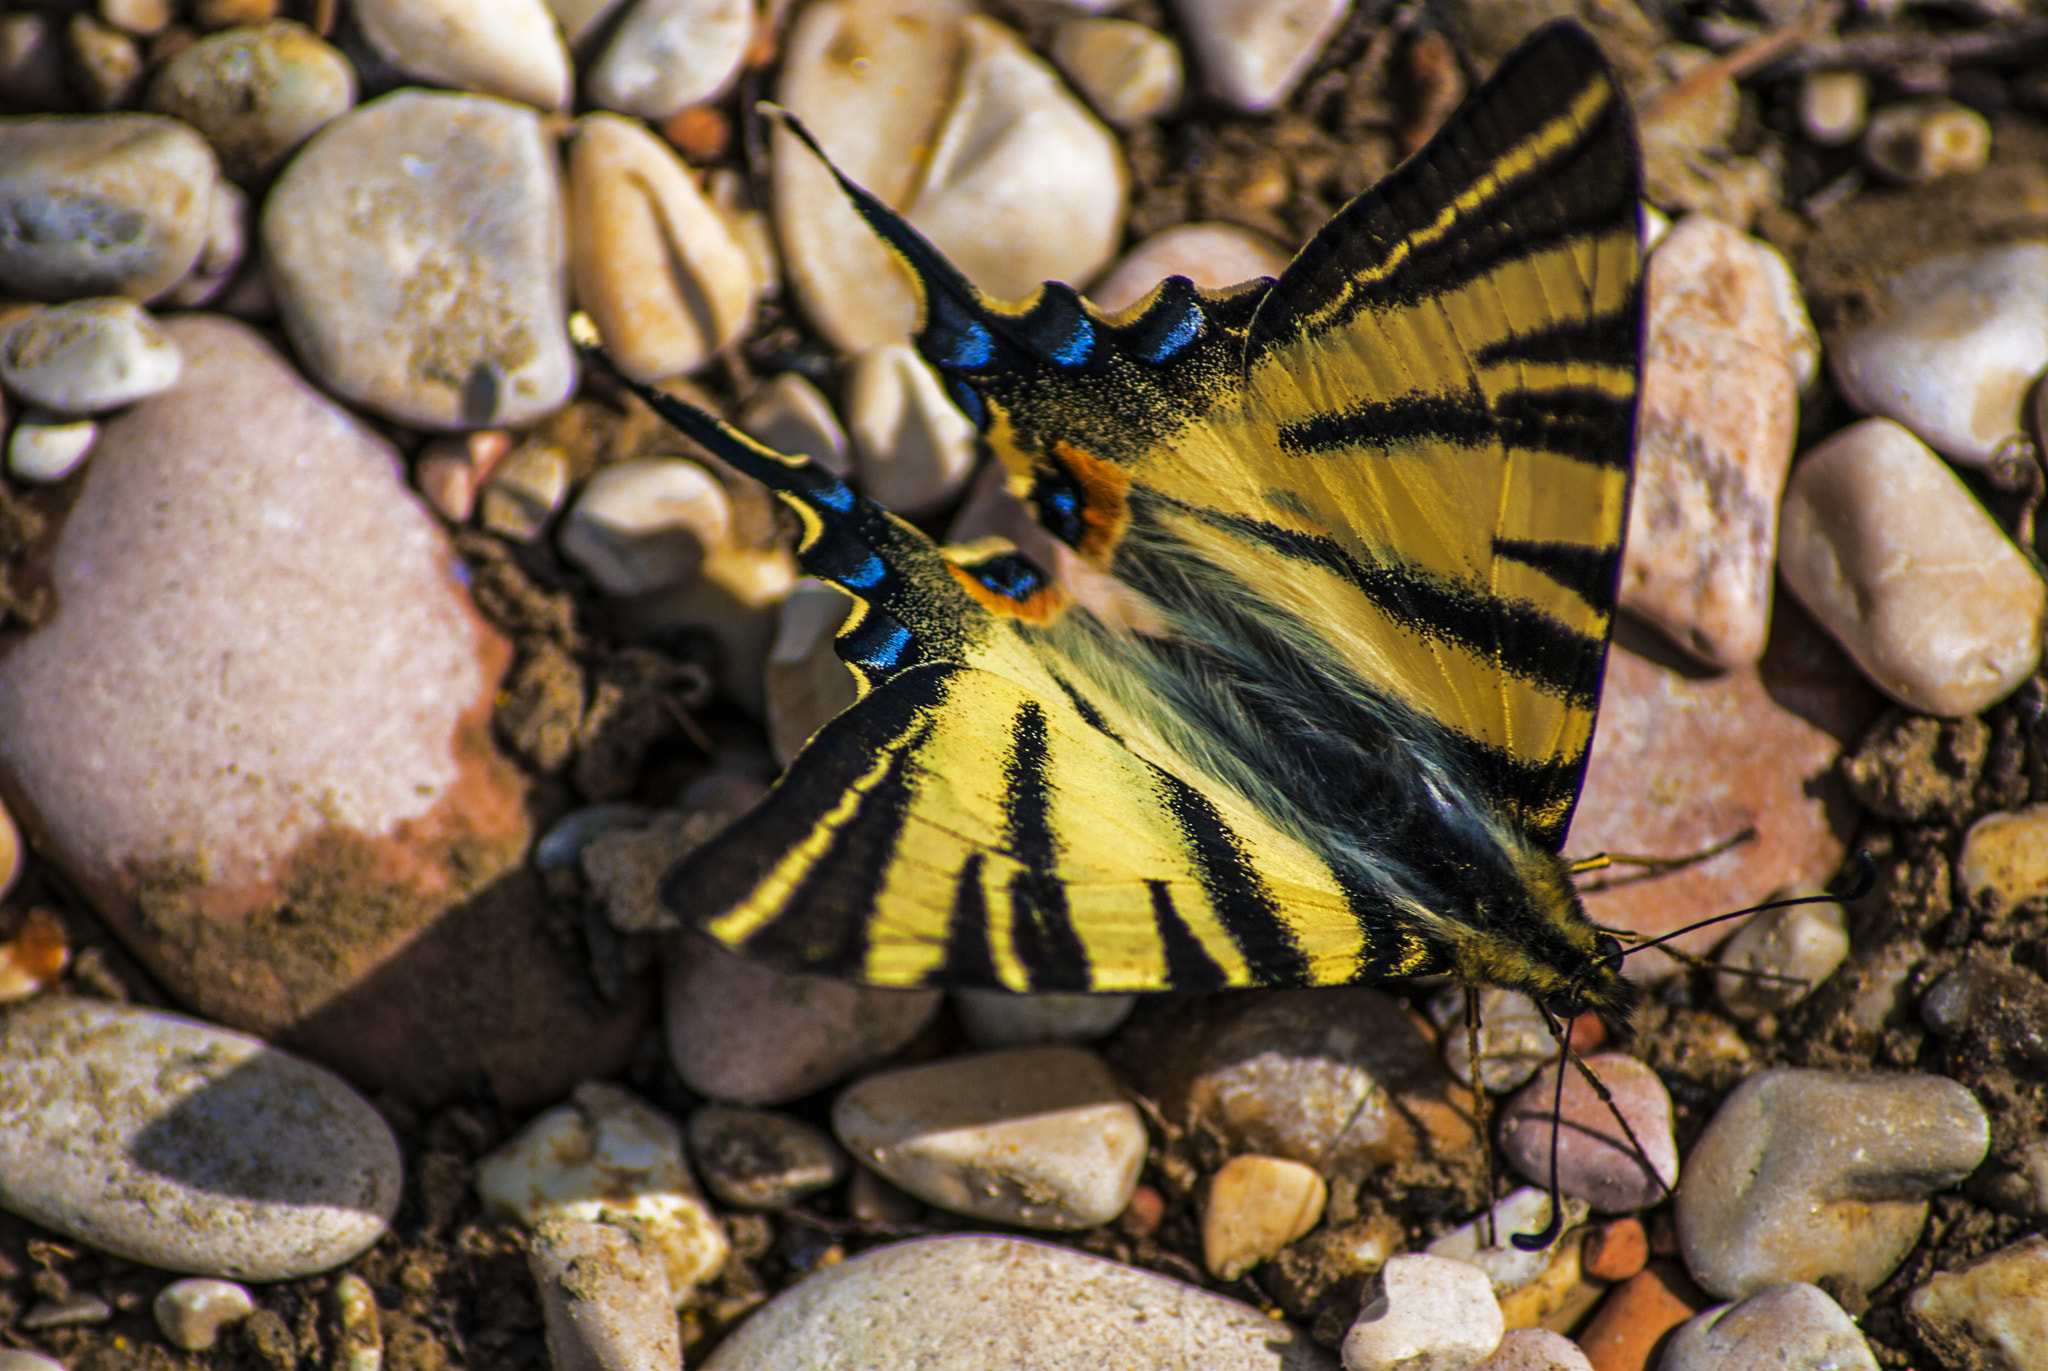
x=1314, y=706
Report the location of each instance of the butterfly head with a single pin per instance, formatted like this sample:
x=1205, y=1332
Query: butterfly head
x=1534, y=936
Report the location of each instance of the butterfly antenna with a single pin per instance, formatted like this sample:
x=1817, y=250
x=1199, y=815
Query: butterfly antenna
x=1482, y=1108
x=1545, y=1236
x=1607, y=1098
x=1862, y=879
x=1699, y=963
x=1656, y=866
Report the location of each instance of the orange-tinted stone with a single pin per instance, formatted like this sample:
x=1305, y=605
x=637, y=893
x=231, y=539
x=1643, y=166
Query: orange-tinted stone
x=1630, y=1328
x=1616, y=1251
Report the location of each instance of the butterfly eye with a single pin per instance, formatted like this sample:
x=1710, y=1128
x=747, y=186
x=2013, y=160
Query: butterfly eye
x=1566, y=1006
x=1607, y=947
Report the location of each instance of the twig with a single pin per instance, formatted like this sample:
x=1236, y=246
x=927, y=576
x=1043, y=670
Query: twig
x=1730, y=66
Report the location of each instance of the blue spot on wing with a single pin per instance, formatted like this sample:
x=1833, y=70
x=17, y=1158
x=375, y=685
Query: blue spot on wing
x=1009, y=576
x=1177, y=338
x=838, y=496
x=968, y=402
x=973, y=348
x=1079, y=344
x=868, y=573
x=881, y=649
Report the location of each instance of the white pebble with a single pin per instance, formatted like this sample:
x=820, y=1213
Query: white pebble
x=1255, y=1206
x=46, y=447
x=1537, y=1349
x=1252, y=52
x=789, y=415
x=1894, y=557
x=1514, y=1039
x=1128, y=72
x=191, y=1313
x=643, y=525
x=1425, y=1313
x=608, y=1306
x=86, y=356
x=525, y=491
x=913, y=450
x=806, y=682
x=1211, y=255
x=1806, y=942
x=1002, y=1018
x=1926, y=139
x=508, y=48
x=16, y=1359
x=669, y=54
x=2004, y=860
x=1526, y=1210
x=358, y=1336
x=1833, y=106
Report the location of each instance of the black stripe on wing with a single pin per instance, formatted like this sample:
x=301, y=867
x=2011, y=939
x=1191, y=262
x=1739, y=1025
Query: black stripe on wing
x=1580, y=422
x=1041, y=925
x=1242, y=902
x=1589, y=572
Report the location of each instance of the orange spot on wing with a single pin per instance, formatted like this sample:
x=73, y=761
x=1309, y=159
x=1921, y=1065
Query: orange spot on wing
x=1042, y=606
x=1105, y=508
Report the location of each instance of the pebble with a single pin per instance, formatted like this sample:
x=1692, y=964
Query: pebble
x=76, y=1310
x=1802, y=340
x=525, y=491
x=1001, y=1018
x=358, y=1335
x=608, y=1156
x=10, y=851
x=913, y=450
x=1713, y=442
x=1251, y=52
x=1526, y=1210
x=1952, y=348
x=449, y=470
x=2004, y=860
x=975, y=1301
x=656, y=268
x=257, y=93
x=757, y=1159
x=37, y=954
x=1595, y=1160
x=1041, y=1137
x=1805, y=1175
x=2000, y=1008
x=807, y=684
x=227, y=245
x=1990, y=1313
x=443, y=214
x=1833, y=106
x=605, y=1297
x=224, y=14
x=1631, y=1324
x=32, y=64
x=1212, y=255
x=1425, y=1313
x=1536, y=1349
x=1616, y=1250
x=48, y=447
x=643, y=525
x=1514, y=1041
x=744, y=1033
x=192, y=1313
x=789, y=415
x=508, y=48
x=116, y=204
x=15, y=1359
x=1128, y=72
x=1893, y=555
x=1790, y=1327
x=85, y=356
x=1806, y=942
x=1926, y=139
x=106, y=65
x=626, y=865
x=1254, y=1207
x=667, y=55
x=177, y=1144
x=139, y=17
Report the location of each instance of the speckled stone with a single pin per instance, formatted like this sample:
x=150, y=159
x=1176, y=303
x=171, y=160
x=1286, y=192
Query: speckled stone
x=977, y=1301
x=508, y=48
x=1992, y=1313
x=758, y=1159
x=85, y=356
x=605, y=1298
x=1790, y=1327
x=255, y=92
x=2005, y=858
x=1536, y=1349
x=443, y=214
x=178, y=1144
x=667, y=55
x=1424, y=1313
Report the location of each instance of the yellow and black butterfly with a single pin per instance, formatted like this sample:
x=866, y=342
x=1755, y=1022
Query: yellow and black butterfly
x=1371, y=516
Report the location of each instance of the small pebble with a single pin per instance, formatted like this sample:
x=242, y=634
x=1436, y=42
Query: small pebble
x=2004, y=860
x=569, y=836
x=1536, y=1349
x=1212, y=255
x=76, y=1310
x=757, y=1159
x=1038, y=1136
x=609, y=1157
x=1425, y=1313
x=1990, y=1313
x=1833, y=106
x=979, y=1301
x=1143, y=1214
x=643, y=525
x=1790, y=1327
x=1252, y=53
x=1487, y=1241
x=192, y=1313
x=1128, y=72
x=181, y=1145
x=88, y=355
x=257, y=93
x=10, y=850
x=1616, y=1250
x=139, y=17
x=1595, y=1160
x=669, y=54
x=914, y=451
x=873, y=1200
x=701, y=133
x=1926, y=139
x=48, y=447
x=806, y=682
x=35, y=956
x=655, y=266
x=359, y=1340
x=508, y=48
x=1002, y=1018
x=1999, y=1008
x=1254, y=1207
x=1514, y=1040
x=15, y=1359
x=605, y=1296
x=226, y=14
x=525, y=492
x=789, y=415
x=449, y=470
x=1807, y=1175
x=116, y=204
x=106, y=65
x=1627, y=1330
x=227, y=245
x=1806, y=943
x=1893, y=555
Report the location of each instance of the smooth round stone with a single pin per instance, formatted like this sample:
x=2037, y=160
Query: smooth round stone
x=1991, y=1312
x=1212, y=255
x=1251, y=53
x=227, y=245
x=1039, y=1136
x=1890, y=552
x=49, y=447
x=177, y=1144
x=1128, y=72
x=1926, y=139
x=256, y=92
x=1627, y=1331
x=192, y=1313
x=1788, y=1326
x=1254, y=1207
x=1536, y=1349
x=604, y=1296
x=912, y=449
x=1425, y=1313
x=791, y=416
x=1803, y=1175
x=1955, y=347
x=643, y=525
x=807, y=683
x=667, y=55
x=106, y=65
x=1714, y=434
x=139, y=17
x=1806, y=942
x=442, y=214
x=1833, y=106
x=655, y=265
x=2004, y=860
x=756, y=1159
x=1514, y=1040
x=88, y=355
x=976, y=1301
x=112, y=204
x=526, y=491
x=509, y=48
x=1595, y=1161
x=1001, y=1018
x=745, y=1033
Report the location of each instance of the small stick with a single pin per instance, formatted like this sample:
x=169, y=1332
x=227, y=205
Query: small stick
x=1730, y=66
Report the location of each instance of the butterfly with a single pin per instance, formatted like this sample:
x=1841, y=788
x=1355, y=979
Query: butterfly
x=1361, y=526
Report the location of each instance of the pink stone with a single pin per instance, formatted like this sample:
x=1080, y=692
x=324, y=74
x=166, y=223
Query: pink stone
x=1210, y=255
x=1595, y=1161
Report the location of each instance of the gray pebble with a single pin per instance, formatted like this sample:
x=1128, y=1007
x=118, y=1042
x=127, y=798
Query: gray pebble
x=1000, y=1018
x=191, y=1313
x=755, y=1159
x=88, y=355
x=181, y=1145
x=669, y=54
x=1998, y=1008
x=1791, y=1327
x=605, y=1297
x=76, y=1310
x=256, y=92
x=15, y=1359
x=1806, y=942
x=115, y=204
